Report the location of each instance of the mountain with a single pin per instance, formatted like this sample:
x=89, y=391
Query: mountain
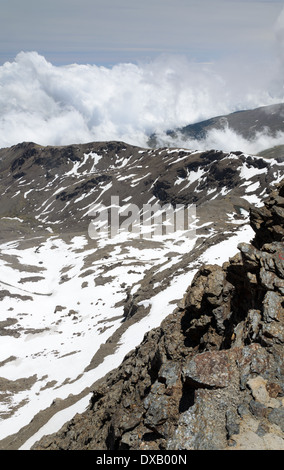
x=78, y=292
x=274, y=152
x=247, y=123
x=210, y=377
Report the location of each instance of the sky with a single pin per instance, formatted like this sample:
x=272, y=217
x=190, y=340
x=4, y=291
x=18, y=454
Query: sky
x=106, y=32
x=92, y=70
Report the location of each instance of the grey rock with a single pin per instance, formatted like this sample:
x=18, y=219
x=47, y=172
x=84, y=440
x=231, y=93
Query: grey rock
x=276, y=416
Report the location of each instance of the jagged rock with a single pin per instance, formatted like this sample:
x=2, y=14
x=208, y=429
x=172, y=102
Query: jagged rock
x=212, y=375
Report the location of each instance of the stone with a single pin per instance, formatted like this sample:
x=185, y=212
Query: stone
x=276, y=416
x=208, y=370
x=258, y=387
x=232, y=422
x=272, y=307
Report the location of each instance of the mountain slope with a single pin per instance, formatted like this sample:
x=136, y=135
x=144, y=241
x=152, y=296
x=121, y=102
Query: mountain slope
x=266, y=120
x=247, y=123
x=53, y=187
x=72, y=305
x=273, y=152
x=211, y=377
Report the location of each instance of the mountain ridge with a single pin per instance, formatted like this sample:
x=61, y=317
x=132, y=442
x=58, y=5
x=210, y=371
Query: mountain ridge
x=244, y=122
x=71, y=304
x=250, y=123
x=211, y=376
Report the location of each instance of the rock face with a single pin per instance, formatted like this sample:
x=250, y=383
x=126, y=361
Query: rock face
x=212, y=375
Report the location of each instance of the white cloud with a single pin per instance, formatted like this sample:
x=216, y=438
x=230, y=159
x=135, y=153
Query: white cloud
x=54, y=105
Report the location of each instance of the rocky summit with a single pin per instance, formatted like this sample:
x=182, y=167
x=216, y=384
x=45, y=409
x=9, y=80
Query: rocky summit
x=106, y=317
x=211, y=376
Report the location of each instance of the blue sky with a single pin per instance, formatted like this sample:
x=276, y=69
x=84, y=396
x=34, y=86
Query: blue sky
x=106, y=32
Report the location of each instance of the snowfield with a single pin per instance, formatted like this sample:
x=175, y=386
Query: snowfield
x=61, y=324
x=73, y=305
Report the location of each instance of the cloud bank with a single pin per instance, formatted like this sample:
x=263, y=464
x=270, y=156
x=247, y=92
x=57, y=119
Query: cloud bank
x=53, y=105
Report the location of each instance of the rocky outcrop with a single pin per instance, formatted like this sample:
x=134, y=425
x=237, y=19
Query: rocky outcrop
x=212, y=375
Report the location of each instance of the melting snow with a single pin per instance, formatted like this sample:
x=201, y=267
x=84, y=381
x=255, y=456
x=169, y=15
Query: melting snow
x=249, y=172
x=59, y=352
